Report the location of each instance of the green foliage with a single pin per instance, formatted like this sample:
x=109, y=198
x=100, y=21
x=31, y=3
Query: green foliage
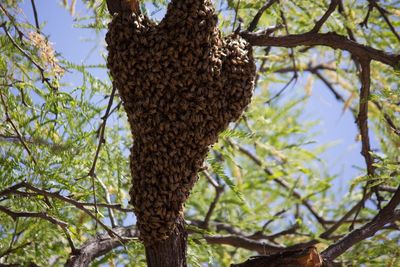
x=52, y=141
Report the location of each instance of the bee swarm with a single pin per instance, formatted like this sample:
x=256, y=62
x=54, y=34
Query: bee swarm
x=181, y=84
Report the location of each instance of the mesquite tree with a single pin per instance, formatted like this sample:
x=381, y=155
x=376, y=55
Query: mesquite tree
x=198, y=136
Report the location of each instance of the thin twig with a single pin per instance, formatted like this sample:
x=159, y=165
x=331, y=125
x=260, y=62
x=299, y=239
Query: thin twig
x=102, y=131
x=14, y=191
x=387, y=189
x=12, y=250
x=363, y=115
x=384, y=12
x=262, y=65
x=218, y=192
x=77, y=204
x=35, y=141
x=324, y=18
x=12, y=241
x=364, y=23
x=387, y=118
x=236, y=16
x=280, y=182
x=92, y=172
x=35, y=14
x=362, y=121
x=291, y=54
x=316, y=71
x=277, y=95
x=37, y=65
x=279, y=213
x=12, y=20
x=345, y=217
x=210, y=179
x=28, y=214
x=108, y=200
x=304, y=67
x=219, y=189
x=386, y=215
x=343, y=13
x=113, y=110
x=253, y=24
x=9, y=120
x=70, y=242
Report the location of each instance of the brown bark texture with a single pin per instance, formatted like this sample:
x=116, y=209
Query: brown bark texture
x=170, y=252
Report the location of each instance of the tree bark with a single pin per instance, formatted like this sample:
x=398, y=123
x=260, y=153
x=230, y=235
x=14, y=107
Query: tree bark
x=171, y=252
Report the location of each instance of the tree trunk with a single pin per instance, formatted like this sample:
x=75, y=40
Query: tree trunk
x=171, y=252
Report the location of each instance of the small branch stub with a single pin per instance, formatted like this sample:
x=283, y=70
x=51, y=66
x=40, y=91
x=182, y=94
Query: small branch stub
x=123, y=6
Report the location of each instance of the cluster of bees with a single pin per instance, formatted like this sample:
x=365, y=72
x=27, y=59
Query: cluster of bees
x=181, y=84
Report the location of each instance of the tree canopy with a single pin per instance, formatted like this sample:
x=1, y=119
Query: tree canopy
x=265, y=186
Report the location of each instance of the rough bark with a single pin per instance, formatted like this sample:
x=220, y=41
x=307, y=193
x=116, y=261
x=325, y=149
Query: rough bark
x=171, y=252
x=99, y=246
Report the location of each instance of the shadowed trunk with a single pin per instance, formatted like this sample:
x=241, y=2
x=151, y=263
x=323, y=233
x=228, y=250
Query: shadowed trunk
x=171, y=252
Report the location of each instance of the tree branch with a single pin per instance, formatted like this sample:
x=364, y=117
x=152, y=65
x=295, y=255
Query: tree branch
x=386, y=215
x=77, y=204
x=244, y=242
x=219, y=189
x=253, y=24
x=384, y=12
x=35, y=14
x=363, y=115
x=9, y=120
x=330, y=39
x=34, y=141
x=102, y=130
x=102, y=244
x=92, y=171
x=14, y=190
x=331, y=9
x=315, y=69
x=12, y=20
x=342, y=220
x=307, y=256
x=40, y=68
x=281, y=182
x=26, y=214
x=99, y=246
x=362, y=121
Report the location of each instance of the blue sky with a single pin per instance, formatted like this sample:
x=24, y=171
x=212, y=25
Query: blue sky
x=84, y=46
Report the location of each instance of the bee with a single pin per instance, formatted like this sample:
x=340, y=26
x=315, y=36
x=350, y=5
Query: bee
x=180, y=88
